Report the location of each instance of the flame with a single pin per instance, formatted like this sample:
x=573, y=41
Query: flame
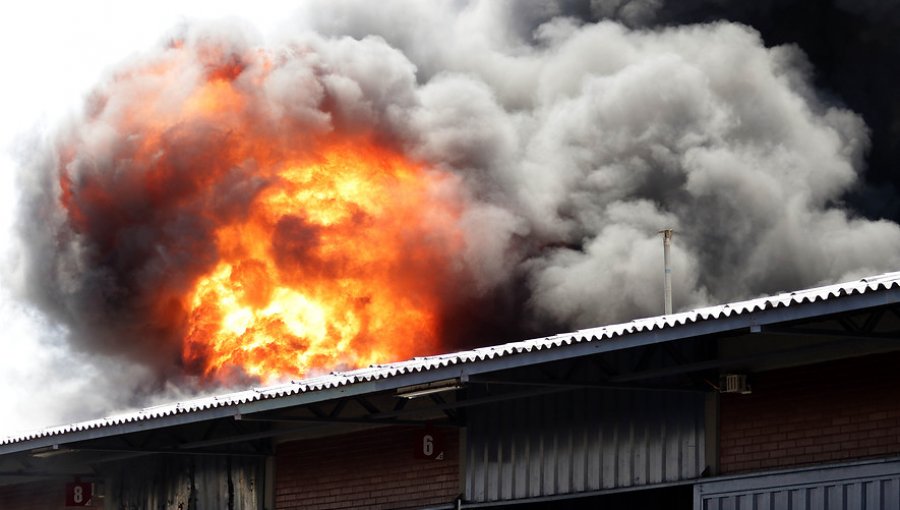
x=308, y=250
x=324, y=271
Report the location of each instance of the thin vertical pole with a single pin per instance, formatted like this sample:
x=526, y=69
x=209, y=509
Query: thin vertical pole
x=667, y=242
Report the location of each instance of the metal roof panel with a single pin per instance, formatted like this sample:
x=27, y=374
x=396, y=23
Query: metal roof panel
x=427, y=364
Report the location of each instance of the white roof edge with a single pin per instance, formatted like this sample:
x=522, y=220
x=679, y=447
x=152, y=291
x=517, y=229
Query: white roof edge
x=885, y=281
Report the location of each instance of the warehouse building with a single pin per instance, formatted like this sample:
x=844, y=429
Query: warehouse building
x=781, y=402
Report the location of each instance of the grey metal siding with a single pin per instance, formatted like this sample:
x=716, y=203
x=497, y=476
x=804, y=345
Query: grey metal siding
x=585, y=440
x=185, y=482
x=871, y=485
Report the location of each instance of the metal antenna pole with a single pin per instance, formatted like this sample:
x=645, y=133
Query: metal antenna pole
x=667, y=242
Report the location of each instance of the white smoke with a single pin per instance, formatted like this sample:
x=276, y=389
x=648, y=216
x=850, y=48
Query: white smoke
x=587, y=139
x=577, y=142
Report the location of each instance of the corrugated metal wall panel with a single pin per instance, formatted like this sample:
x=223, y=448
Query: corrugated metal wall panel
x=585, y=440
x=861, y=486
x=186, y=482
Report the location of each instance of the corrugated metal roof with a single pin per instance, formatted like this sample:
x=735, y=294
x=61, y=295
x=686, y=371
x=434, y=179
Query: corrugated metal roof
x=883, y=282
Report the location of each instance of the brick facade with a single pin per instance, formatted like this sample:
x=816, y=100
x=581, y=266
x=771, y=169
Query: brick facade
x=44, y=495
x=829, y=412
x=374, y=469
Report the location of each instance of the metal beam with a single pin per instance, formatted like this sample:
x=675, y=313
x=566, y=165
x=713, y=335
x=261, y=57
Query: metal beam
x=730, y=362
x=229, y=439
x=349, y=421
x=389, y=417
x=47, y=474
x=439, y=400
x=873, y=320
x=368, y=406
x=585, y=385
x=474, y=401
x=823, y=332
x=169, y=451
x=338, y=408
x=315, y=410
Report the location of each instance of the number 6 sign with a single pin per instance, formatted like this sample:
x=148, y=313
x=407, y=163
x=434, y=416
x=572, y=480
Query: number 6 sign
x=428, y=444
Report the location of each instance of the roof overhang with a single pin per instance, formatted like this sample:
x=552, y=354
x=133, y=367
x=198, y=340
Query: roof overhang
x=824, y=323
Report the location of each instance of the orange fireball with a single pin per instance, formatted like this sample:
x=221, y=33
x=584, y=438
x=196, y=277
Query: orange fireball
x=256, y=244
x=331, y=268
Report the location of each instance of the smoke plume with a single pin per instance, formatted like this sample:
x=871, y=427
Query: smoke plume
x=567, y=134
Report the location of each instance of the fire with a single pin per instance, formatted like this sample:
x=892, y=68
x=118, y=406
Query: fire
x=324, y=271
x=285, y=250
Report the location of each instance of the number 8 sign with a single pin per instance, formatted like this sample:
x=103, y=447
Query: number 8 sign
x=79, y=493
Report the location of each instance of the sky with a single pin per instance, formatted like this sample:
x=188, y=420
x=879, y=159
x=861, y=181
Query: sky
x=54, y=53
x=567, y=143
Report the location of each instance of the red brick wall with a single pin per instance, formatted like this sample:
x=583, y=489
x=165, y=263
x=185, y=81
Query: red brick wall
x=828, y=412
x=48, y=495
x=373, y=469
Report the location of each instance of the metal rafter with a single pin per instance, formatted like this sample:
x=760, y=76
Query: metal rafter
x=47, y=474
x=872, y=319
x=824, y=332
x=349, y=421
x=338, y=407
x=368, y=406
x=744, y=360
x=168, y=451
x=575, y=384
x=601, y=367
x=439, y=400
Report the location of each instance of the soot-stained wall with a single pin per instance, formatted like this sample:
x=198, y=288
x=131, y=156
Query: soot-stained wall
x=186, y=483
